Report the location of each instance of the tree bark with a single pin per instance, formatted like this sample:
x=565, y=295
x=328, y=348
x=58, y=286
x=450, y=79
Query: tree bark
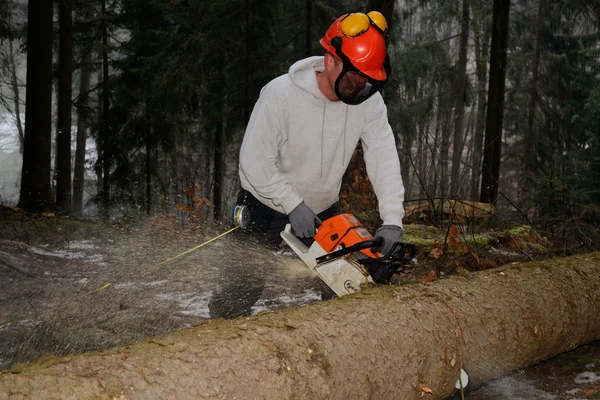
x=459, y=96
x=106, y=151
x=218, y=160
x=529, y=161
x=309, y=25
x=35, y=176
x=65, y=91
x=495, y=110
x=388, y=342
x=14, y=83
x=83, y=121
x=148, y=166
x=481, y=46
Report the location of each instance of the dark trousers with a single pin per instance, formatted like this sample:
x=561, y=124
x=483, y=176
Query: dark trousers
x=270, y=223
x=238, y=290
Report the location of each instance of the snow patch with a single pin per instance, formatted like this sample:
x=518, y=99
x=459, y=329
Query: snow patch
x=190, y=305
x=587, y=377
x=81, y=245
x=514, y=388
x=129, y=285
x=67, y=255
x=58, y=253
x=259, y=306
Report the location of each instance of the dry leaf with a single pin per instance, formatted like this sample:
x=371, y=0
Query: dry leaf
x=426, y=389
x=431, y=276
x=453, y=242
x=453, y=231
x=436, y=252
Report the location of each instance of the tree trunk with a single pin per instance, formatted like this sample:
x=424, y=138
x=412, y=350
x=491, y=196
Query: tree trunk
x=247, y=92
x=148, y=160
x=83, y=121
x=495, y=108
x=481, y=67
x=14, y=82
x=529, y=164
x=106, y=153
x=444, y=120
x=390, y=342
x=35, y=176
x=63, y=133
x=309, y=18
x=218, y=164
x=459, y=96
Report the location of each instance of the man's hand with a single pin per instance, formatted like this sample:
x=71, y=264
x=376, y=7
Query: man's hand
x=389, y=234
x=303, y=221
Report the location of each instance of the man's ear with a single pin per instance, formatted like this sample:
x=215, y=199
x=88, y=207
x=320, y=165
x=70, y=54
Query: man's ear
x=329, y=61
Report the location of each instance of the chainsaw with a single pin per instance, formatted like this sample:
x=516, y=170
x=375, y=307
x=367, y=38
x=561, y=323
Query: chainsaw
x=342, y=254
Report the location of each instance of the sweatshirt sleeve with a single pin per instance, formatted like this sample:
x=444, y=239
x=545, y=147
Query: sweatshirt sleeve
x=383, y=165
x=258, y=160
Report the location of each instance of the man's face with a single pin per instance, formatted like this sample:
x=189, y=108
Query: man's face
x=351, y=84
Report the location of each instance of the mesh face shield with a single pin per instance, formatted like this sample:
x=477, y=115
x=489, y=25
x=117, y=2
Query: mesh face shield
x=353, y=86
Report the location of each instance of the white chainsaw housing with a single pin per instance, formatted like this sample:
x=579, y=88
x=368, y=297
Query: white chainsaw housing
x=341, y=275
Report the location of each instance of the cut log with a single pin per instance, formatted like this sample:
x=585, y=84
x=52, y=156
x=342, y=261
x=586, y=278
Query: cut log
x=390, y=342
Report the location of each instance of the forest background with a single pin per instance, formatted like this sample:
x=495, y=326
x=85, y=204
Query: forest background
x=138, y=107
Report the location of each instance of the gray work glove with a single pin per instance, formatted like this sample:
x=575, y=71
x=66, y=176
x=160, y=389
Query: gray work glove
x=303, y=221
x=390, y=235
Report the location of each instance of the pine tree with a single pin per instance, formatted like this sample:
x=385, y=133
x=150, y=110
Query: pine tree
x=35, y=177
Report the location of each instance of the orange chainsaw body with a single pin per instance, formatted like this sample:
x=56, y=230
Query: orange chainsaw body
x=343, y=231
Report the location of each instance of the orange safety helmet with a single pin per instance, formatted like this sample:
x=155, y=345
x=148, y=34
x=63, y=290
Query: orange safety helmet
x=363, y=42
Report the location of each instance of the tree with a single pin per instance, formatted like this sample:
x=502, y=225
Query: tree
x=106, y=124
x=83, y=112
x=495, y=108
x=35, y=177
x=481, y=39
x=63, y=126
x=459, y=96
x=10, y=33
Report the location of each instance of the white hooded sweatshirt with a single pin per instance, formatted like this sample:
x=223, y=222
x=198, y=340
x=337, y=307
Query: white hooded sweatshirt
x=298, y=145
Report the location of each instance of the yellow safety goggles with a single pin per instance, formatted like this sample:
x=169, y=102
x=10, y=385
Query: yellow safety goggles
x=357, y=23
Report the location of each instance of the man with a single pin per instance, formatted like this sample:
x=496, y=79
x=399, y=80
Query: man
x=306, y=125
x=300, y=139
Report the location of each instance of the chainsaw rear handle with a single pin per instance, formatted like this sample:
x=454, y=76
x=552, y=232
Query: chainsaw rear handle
x=346, y=250
x=397, y=253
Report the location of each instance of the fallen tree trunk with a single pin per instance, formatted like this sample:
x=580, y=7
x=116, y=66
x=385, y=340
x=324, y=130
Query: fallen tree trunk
x=391, y=342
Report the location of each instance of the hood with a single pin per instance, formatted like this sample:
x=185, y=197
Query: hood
x=303, y=74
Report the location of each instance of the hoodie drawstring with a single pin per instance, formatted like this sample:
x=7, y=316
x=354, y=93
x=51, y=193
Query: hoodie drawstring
x=322, y=137
x=345, y=123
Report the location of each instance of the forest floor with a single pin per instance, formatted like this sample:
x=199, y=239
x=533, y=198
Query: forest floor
x=71, y=286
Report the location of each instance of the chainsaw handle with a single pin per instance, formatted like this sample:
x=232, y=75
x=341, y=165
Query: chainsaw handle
x=399, y=250
x=356, y=247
